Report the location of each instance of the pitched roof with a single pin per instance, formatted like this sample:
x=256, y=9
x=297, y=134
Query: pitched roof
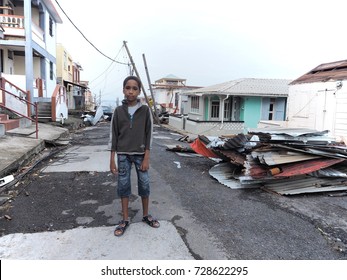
x=247, y=87
x=326, y=72
x=170, y=76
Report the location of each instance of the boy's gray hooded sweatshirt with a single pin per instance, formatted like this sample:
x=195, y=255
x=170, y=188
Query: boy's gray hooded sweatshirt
x=131, y=136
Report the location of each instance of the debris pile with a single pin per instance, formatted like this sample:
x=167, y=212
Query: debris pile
x=282, y=160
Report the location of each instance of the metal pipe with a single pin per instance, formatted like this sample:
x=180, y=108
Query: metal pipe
x=222, y=123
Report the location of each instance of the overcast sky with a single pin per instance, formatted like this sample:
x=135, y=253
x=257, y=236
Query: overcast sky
x=203, y=41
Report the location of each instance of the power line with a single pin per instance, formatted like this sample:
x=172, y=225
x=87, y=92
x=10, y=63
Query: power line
x=86, y=37
x=108, y=66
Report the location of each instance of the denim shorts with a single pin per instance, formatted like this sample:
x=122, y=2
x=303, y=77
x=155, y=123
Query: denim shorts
x=124, y=171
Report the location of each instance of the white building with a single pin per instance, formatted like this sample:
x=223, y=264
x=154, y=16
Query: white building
x=318, y=100
x=167, y=93
x=29, y=45
x=28, y=56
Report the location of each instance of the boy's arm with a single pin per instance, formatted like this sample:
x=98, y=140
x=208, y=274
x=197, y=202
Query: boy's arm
x=113, y=144
x=113, y=166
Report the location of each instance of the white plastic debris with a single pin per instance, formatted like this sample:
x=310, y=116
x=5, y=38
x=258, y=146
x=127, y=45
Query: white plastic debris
x=5, y=180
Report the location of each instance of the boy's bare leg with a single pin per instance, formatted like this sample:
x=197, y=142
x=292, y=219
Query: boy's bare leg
x=121, y=227
x=146, y=217
x=125, y=206
x=145, y=204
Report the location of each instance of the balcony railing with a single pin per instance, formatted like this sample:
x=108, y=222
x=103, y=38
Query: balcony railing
x=14, y=26
x=12, y=21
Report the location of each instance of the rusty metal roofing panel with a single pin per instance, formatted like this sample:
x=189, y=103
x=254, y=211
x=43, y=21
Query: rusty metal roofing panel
x=333, y=71
x=262, y=171
x=294, y=169
x=331, y=65
x=253, y=168
x=232, y=156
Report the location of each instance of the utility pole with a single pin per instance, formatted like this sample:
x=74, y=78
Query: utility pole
x=151, y=90
x=137, y=74
x=99, y=98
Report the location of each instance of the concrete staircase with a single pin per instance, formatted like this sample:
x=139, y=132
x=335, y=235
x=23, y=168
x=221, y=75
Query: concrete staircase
x=44, y=111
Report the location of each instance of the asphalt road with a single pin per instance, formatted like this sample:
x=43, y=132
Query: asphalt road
x=213, y=221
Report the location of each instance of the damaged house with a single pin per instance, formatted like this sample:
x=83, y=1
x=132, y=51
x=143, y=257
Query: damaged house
x=233, y=107
x=318, y=100
x=168, y=93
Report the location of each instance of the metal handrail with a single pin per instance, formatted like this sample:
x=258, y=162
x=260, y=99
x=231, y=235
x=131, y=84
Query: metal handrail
x=28, y=103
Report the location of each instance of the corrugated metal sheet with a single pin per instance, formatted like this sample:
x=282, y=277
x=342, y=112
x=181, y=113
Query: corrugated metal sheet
x=279, y=165
x=330, y=172
x=294, y=169
x=307, y=184
x=281, y=157
x=323, y=151
x=239, y=141
x=333, y=71
x=225, y=174
x=254, y=169
x=262, y=171
x=293, y=132
x=232, y=156
x=297, y=135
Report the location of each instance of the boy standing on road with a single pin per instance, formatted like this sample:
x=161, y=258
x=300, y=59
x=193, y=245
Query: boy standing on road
x=131, y=139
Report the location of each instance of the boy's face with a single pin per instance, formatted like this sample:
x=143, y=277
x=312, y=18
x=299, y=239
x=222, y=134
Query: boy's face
x=131, y=92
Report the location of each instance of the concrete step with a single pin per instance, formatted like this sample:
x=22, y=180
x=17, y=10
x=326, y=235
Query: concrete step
x=10, y=124
x=44, y=116
x=24, y=131
x=3, y=117
x=44, y=106
x=44, y=119
x=44, y=111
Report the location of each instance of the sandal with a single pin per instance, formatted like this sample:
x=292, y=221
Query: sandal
x=150, y=221
x=121, y=227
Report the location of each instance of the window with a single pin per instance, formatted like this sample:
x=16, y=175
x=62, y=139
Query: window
x=51, y=26
x=51, y=74
x=195, y=104
x=215, y=109
x=10, y=54
x=271, y=108
x=227, y=109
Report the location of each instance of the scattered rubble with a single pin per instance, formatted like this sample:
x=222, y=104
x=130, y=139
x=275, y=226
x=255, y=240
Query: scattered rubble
x=282, y=160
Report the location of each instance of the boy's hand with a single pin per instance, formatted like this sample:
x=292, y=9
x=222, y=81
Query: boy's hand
x=113, y=166
x=144, y=165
